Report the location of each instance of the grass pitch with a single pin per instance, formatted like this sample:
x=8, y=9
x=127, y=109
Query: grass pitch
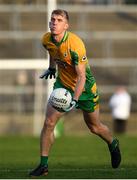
x=70, y=158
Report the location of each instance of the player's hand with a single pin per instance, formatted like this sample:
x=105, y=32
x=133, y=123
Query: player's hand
x=48, y=73
x=72, y=105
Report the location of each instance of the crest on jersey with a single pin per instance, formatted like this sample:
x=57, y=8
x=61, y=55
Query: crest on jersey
x=65, y=54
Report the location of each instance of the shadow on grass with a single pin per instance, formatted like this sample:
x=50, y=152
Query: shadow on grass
x=65, y=171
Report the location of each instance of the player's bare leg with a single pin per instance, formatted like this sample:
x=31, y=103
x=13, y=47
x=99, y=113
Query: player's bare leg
x=96, y=127
x=46, y=140
x=47, y=134
x=93, y=122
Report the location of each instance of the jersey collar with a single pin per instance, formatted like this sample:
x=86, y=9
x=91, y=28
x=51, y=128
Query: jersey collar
x=62, y=40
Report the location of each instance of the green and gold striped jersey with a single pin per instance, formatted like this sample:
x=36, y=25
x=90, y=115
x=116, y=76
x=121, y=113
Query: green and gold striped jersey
x=67, y=54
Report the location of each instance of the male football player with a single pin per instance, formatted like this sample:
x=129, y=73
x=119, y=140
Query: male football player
x=68, y=53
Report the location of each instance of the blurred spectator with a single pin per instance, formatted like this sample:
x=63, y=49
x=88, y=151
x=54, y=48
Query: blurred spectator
x=120, y=104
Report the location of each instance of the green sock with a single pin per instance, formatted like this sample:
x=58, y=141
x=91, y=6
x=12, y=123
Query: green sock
x=113, y=145
x=44, y=160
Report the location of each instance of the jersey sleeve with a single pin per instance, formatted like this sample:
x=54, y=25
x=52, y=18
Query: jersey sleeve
x=78, y=52
x=45, y=39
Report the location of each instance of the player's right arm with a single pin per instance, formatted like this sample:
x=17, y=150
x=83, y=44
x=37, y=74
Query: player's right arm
x=52, y=63
x=51, y=71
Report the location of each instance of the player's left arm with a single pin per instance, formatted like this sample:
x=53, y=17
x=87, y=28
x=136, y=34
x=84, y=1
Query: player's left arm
x=81, y=78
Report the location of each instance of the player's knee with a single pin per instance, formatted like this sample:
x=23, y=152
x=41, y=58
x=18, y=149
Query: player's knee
x=49, y=124
x=99, y=129
x=93, y=129
x=96, y=129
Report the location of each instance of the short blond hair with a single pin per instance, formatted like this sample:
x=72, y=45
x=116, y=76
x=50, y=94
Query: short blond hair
x=61, y=12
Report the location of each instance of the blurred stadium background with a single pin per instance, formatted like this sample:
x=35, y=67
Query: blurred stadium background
x=109, y=30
